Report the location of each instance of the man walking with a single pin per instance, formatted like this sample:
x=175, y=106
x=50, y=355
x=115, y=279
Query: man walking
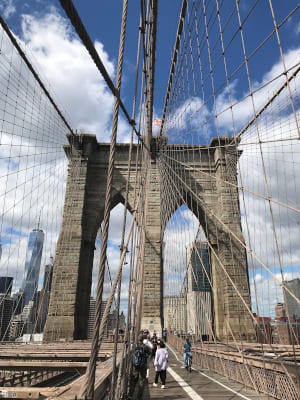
x=140, y=353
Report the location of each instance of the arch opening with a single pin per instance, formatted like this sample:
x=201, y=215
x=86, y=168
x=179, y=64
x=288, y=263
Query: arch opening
x=113, y=258
x=187, y=272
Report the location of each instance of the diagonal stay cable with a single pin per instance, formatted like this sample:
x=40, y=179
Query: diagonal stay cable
x=31, y=69
x=265, y=106
x=75, y=19
x=88, y=386
x=174, y=60
x=234, y=236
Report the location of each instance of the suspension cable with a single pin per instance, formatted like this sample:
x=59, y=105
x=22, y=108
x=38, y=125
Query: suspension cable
x=34, y=73
x=75, y=19
x=88, y=388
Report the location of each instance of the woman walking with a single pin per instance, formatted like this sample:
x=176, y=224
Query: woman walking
x=161, y=364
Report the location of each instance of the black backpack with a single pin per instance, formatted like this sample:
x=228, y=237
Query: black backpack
x=139, y=358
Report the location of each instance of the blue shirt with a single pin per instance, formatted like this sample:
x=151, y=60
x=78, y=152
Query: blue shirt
x=187, y=347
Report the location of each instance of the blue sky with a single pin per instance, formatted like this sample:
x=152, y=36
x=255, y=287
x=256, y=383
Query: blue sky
x=102, y=20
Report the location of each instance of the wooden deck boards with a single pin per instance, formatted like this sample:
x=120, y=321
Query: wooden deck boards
x=67, y=356
x=203, y=386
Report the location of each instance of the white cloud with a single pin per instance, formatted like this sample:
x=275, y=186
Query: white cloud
x=180, y=231
x=33, y=165
x=268, y=292
x=77, y=83
x=271, y=230
x=189, y=118
x=7, y=8
x=271, y=168
x=243, y=109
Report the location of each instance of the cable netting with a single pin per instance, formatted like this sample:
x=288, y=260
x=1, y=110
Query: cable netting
x=206, y=244
x=33, y=179
x=229, y=184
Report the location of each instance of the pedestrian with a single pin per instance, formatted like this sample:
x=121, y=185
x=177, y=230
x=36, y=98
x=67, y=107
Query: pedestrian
x=140, y=353
x=154, y=348
x=148, y=343
x=154, y=336
x=164, y=334
x=186, y=351
x=161, y=364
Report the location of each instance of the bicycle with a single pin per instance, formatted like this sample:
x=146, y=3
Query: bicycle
x=189, y=360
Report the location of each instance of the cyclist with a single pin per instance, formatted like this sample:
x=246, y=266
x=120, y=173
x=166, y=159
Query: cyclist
x=187, y=352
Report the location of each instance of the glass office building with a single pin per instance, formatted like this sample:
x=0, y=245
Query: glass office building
x=33, y=264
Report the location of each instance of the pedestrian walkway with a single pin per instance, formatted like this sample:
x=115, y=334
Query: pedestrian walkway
x=198, y=385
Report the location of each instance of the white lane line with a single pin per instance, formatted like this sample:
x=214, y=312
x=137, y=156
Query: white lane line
x=212, y=379
x=191, y=392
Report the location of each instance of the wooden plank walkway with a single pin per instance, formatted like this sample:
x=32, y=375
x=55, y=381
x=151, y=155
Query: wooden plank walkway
x=204, y=388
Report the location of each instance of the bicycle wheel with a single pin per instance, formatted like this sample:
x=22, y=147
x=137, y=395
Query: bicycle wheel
x=189, y=364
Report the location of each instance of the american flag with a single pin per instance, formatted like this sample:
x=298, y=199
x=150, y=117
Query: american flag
x=157, y=122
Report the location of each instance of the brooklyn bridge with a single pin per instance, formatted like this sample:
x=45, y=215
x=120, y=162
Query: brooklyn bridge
x=172, y=214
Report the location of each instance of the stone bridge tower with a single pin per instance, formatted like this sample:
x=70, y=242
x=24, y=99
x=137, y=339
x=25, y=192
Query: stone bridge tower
x=82, y=217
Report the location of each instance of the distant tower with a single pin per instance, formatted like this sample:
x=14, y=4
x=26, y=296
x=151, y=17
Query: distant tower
x=292, y=305
x=6, y=283
x=43, y=303
x=199, y=315
x=48, y=276
x=6, y=312
x=91, y=318
x=6, y=306
x=33, y=264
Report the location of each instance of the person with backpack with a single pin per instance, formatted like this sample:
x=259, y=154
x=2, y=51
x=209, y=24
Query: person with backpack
x=161, y=364
x=140, y=353
x=148, y=343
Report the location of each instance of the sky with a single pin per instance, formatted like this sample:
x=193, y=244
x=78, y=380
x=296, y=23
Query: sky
x=64, y=65
x=30, y=19
x=102, y=21
x=77, y=87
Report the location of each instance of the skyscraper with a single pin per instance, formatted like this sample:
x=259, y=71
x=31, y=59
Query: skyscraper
x=6, y=305
x=44, y=297
x=6, y=283
x=48, y=276
x=6, y=312
x=199, y=315
x=33, y=264
x=293, y=306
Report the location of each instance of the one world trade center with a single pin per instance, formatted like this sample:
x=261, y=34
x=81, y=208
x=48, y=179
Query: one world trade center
x=33, y=264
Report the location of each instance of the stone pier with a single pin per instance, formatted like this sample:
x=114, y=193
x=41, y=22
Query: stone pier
x=214, y=202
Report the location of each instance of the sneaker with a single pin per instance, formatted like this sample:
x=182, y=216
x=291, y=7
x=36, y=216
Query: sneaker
x=162, y=386
x=155, y=384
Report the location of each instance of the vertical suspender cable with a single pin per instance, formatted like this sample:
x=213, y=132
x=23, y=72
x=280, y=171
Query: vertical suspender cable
x=88, y=389
x=124, y=225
